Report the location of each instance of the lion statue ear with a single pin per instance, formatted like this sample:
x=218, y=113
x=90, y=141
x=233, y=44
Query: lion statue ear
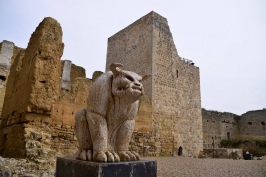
x=144, y=77
x=114, y=68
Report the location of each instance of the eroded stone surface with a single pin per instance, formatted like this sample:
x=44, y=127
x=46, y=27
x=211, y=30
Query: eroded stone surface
x=31, y=92
x=8, y=53
x=10, y=167
x=147, y=46
x=106, y=126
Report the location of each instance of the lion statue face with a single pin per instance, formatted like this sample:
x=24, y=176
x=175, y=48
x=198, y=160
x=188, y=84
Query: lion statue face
x=127, y=83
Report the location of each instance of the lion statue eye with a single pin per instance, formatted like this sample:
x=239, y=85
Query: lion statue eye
x=130, y=78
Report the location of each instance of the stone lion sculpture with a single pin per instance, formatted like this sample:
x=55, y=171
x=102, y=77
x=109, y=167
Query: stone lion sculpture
x=105, y=127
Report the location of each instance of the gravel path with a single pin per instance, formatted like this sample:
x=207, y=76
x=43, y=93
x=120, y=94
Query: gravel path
x=186, y=166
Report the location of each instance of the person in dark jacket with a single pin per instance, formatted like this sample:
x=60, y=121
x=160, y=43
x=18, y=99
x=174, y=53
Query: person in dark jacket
x=247, y=156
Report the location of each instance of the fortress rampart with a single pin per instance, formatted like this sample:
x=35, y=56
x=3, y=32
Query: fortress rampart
x=228, y=126
x=146, y=46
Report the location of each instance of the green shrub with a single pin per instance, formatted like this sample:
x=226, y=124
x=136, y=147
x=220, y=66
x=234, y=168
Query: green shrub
x=226, y=143
x=261, y=143
x=255, y=147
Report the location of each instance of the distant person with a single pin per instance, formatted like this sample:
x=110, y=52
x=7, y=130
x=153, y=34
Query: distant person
x=247, y=156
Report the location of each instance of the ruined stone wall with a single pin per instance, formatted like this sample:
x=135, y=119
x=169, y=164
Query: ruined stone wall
x=31, y=92
x=8, y=52
x=228, y=126
x=224, y=153
x=42, y=98
x=147, y=47
x=218, y=125
x=252, y=125
x=69, y=101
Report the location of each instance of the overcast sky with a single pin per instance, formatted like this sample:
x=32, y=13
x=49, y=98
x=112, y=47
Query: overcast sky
x=226, y=39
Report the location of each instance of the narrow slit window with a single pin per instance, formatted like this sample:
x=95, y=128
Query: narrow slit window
x=3, y=78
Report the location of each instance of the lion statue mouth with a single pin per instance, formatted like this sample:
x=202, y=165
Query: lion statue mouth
x=137, y=88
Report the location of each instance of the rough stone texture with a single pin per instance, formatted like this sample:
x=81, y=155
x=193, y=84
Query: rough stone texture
x=144, y=115
x=36, y=86
x=252, y=125
x=228, y=126
x=77, y=71
x=105, y=127
x=62, y=121
x=65, y=80
x=24, y=167
x=147, y=46
x=38, y=115
x=224, y=153
x=218, y=125
x=31, y=92
x=70, y=167
x=96, y=74
x=8, y=52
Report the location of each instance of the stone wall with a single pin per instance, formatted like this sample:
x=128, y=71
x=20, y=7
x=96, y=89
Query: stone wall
x=31, y=92
x=62, y=121
x=218, y=126
x=224, y=153
x=8, y=52
x=229, y=126
x=252, y=125
x=147, y=47
x=43, y=94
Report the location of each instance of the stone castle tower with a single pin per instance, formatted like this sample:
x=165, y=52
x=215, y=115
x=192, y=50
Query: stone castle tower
x=173, y=90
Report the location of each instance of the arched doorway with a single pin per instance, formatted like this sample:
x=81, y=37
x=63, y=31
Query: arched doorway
x=180, y=151
x=228, y=136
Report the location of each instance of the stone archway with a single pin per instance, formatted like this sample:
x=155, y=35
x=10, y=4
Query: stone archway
x=180, y=151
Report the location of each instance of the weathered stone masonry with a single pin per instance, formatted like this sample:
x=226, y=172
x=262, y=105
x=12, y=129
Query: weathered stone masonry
x=43, y=94
x=147, y=47
x=228, y=126
x=31, y=91
x=43, y=105
x=8, y=53
x=218, y=126
x=39, y=108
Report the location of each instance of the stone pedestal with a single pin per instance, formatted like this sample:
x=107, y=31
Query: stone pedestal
x=71, y=167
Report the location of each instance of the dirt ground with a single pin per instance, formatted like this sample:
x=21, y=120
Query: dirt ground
x=208, y=167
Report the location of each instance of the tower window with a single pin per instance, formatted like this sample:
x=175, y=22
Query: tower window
x=176, y=73
x=249, y=123
x=3, y=78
